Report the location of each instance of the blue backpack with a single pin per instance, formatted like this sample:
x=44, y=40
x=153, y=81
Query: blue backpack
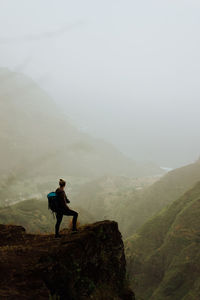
x=52, y=202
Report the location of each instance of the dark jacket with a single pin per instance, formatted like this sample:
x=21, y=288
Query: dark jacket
x=62, y=200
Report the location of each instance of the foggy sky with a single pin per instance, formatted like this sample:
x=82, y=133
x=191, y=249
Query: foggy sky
x=126, y=71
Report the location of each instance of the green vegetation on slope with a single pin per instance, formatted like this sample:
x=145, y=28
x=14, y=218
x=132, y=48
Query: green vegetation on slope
x=163, y=256
x=35, y=216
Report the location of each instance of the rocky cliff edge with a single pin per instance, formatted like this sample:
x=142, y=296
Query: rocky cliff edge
x=87, y=265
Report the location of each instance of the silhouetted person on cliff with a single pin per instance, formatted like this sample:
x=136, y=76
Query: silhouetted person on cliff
x=63, y=209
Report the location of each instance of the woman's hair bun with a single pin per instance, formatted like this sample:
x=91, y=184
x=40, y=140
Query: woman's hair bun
x=62, y=182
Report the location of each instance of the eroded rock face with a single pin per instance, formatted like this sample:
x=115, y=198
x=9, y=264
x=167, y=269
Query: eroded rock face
x=87, y=265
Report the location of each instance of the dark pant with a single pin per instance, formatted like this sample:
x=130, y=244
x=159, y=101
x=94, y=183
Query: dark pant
x=68, y=212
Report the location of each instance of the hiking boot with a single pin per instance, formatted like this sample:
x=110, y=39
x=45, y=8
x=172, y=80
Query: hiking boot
x=57, y=236
x=74, y=230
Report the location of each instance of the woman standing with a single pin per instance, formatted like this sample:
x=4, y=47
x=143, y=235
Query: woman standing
x=63, y=209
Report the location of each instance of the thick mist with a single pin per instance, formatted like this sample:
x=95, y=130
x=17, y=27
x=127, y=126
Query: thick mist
x=124, y=71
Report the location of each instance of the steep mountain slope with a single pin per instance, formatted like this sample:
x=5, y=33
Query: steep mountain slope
x=37, y=140
x=35, y=216
x=120, y=199
x=87, y=265
x=163, y=256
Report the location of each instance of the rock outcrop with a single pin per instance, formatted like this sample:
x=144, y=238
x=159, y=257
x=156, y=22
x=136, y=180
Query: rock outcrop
x=87, y=265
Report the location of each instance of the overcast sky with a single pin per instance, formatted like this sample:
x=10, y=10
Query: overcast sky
x=126, y=71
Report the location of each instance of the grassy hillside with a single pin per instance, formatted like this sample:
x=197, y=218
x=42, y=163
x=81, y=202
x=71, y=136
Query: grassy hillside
x=121, y=200
x=35, y=216
x=163, y=256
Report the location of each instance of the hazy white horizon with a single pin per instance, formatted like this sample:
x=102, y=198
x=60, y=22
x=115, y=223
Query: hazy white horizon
x=125, y=71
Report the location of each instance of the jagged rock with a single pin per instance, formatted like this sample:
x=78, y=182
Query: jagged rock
x=87, y=265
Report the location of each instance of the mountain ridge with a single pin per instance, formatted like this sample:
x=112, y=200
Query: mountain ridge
x=131, y=207
x=37, y=139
